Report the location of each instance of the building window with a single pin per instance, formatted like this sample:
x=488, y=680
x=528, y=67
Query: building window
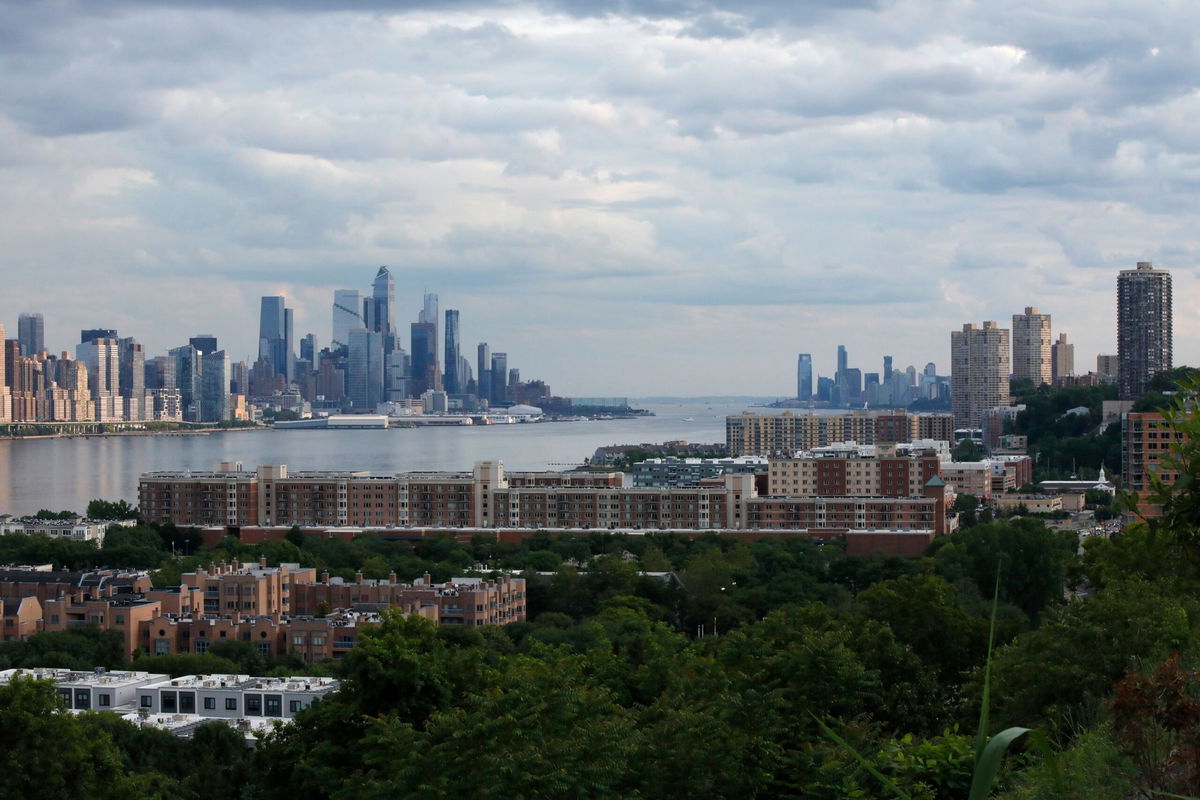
x=104, y=700
x=274, y=705
x=210, y=703
x=254, y=705
x=231, y=704
x=147, y=701
x=202, y=646
x=187, y=702
x=168, y=701
x=294, y=706
x=162, y=647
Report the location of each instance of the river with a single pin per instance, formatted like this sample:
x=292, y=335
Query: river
x=65, y=473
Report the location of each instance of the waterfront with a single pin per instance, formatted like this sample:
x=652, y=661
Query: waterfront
x=65, y=473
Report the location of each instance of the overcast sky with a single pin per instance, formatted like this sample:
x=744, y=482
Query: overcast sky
x=629, y=197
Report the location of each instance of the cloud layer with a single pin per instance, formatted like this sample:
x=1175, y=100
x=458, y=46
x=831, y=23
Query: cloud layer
x=629, y=197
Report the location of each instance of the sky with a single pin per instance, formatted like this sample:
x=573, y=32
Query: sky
x=629, y=197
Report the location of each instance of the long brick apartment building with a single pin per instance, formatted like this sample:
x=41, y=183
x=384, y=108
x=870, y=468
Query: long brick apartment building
x=487, y=498
x=750, y=434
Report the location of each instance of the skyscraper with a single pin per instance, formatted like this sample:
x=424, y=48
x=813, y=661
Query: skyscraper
x=204, y=342
x=804, y=387
x=887, y=368
x=483, y=370
x=453, y=381
x=381, y=306
x=499, y=379
x=842, y=360
x=1143, y=327
x=978, y=372
x=1031, y=346
x=1062, y=357
x=188, y=368
x=275, y=336
x=31, y=333
x=424, y=358
x=214, y=387
x=365, y=368
x=347, y=315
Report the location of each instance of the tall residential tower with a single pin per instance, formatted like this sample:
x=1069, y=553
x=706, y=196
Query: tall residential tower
x=1143, y=327
x=978, y=372
x=1031, y=347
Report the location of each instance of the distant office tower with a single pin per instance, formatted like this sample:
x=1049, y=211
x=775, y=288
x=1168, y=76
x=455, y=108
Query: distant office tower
x=381, y=305
x=804, y=386
x=102, y=357
x=429, y=309
x=88, y=334
x=424, y=358
x=365, y=368
x=31, y=333
x=453, y=383
x=842, y=359
x=5, y=392
x=483, y=370
x=396, y=366
x=1031, y=358
x=1107, y=368
x=188, y=369
x=275, y=337
x=850, y=385
x=347, y=315
x=499, y=386
x=239, y=382
x=978, y=372
x=1143, y=327
x=160, y=373
x=308, y=349
x=1062, y=357
x=887, y=369
x=204, y=342
x=514, y=380
x=214, y=387
x=131, y=375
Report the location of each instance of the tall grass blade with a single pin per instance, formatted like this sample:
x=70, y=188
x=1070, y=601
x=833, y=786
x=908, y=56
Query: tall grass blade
x=879, y=776
x=988, y=765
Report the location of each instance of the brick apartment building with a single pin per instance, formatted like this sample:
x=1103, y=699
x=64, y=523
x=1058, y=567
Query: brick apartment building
x=1146, y=441
x=486, y=499
x=750, y=434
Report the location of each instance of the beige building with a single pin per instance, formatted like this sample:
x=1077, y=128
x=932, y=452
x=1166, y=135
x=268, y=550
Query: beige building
x=1031, y=353
x=1107, y=367
x=750, y=434
x=1062, y=358
x=979, y=369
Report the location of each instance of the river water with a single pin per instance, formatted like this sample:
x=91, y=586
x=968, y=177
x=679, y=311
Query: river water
x=65, y=473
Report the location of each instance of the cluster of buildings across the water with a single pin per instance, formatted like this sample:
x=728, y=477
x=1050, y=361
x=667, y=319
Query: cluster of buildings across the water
x=111, y=379
x=244, y=702
x=280, y=610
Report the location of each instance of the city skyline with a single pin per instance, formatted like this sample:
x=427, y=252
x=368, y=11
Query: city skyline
x=567, y=175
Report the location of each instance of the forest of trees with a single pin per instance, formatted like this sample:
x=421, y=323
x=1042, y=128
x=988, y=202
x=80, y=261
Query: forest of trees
x=663, y=666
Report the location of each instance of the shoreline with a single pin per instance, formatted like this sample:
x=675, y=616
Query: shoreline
x=105, y=434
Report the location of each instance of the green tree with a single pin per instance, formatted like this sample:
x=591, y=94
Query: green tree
x=105, y=509
x=45, y=751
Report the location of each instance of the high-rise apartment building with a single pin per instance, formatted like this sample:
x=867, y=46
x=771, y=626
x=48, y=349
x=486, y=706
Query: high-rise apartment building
x=347, y=315
x=5, y=392
x=453, y=382
x=214, y=387
x=275, y=337
x=1107, y=367
x=978, y=372
x=31, y=333
x=189, y=367
x=804, y=386
x=1062, y=357
x=1031, y=358
x=1143, y=327
x=103, y=360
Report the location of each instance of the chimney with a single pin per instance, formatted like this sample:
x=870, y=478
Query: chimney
x=392, y=577
x=324, y=577
x=262, y=562
x=358, y=577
